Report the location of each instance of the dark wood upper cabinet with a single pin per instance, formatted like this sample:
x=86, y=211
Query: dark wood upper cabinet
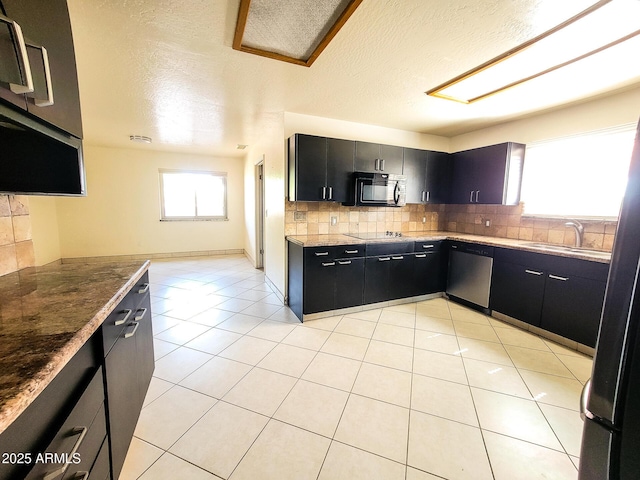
x=428, y=175
x=319, y=168
x=488, y=175
x=43, y=24
x=378, y=158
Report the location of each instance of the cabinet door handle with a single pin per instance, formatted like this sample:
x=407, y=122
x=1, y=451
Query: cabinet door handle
x=471, y=197
x=60, y=471
x=556, y=277
x=43, y=102
x=347, y=262
x=328, y=264
x=421, y=255
x=477, y=196
x=321, y=254
x=377, y=164
x=533, y=272
x=23, y=58
x=351, y=251
x=125, y=316
x=383, y=259
x=400, y=257
x=429, y=246
x=382, y=164
x=428, y=196
x=144, y=288
x=133, y=328
x=140, y=313
x=330, y=193
x=424, y=196
x=324, y=193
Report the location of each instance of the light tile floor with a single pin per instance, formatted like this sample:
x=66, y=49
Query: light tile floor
x=427, y=390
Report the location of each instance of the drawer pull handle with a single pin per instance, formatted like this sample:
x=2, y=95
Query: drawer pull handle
x=144, y=289
x=126, y=314
x=48, y=101
x=533, y=272
x=347, y=262
x=328, y=264
x=383, y=259
x=60, y=471
x=556, y=277
x=398, y=258
x=351, y=251
x=321, y=254
x=430, y=246
x=421, y=255
x=133, y=328
x=140, y=313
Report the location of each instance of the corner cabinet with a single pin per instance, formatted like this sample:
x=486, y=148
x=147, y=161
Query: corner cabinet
x=320, y=168
x=488, y=175
x=55, y=98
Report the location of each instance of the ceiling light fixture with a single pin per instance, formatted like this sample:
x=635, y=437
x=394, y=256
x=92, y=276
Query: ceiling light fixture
x=140, y=139
x=295, y=32
x=602, y=26
x=241, y=146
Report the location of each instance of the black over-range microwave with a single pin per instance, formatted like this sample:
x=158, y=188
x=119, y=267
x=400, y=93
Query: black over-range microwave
x=378, y=190
x=36, y=159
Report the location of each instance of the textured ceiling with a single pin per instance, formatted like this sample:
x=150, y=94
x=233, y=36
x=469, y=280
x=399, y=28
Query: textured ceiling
x=166, y=69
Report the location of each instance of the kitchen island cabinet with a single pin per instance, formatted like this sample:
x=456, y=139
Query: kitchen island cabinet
x=55, y=334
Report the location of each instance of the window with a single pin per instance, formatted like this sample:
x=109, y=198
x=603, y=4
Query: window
x=582, y=176
x=193, y=195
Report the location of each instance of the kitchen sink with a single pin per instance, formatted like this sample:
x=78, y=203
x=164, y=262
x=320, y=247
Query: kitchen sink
x=570, y=250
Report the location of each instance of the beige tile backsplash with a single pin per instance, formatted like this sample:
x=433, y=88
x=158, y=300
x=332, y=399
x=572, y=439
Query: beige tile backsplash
x=16, y=245
x=311, y=218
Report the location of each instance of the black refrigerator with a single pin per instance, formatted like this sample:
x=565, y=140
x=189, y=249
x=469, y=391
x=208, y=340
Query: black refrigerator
x=610, y=403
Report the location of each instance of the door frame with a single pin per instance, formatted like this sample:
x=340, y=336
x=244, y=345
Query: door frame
x=260, y=213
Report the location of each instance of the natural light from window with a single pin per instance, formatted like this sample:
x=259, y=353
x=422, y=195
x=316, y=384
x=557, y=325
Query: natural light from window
x=188, y=195
x=582, y=176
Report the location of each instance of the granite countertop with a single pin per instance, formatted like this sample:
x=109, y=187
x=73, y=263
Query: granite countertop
x=344, y=239
x=46, y=316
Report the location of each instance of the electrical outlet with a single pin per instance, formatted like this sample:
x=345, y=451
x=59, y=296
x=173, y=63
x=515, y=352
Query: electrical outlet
x=424, y=219
x=334, y=221
x=487, y=223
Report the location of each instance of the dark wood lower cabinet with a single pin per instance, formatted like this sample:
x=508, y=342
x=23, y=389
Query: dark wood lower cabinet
x=572, y=307
x=349, y=289
x=517, y=291
x=401, y=279
x=559, y=294
x=376, y=279
x=429, y=273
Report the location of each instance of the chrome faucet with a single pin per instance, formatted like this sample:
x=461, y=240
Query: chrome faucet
x=579, y=230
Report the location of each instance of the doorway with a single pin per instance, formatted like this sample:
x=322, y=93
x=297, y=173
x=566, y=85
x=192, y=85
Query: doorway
x=260, y=213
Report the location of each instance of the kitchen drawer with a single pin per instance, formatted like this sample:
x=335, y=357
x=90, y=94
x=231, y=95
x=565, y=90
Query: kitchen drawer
x=389, y=248
x=79, y=438
x=90, y=447
x=427, y=246
x=124, y=313
x=101, y=469
x=320, y=253
x=350, y=251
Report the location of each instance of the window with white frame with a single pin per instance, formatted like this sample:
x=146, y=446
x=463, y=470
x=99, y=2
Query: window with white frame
x=582, y=176
x=193, y=195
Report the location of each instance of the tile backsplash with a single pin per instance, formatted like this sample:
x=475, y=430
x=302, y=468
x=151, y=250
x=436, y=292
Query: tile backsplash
x=312, y=218
x=16, y=245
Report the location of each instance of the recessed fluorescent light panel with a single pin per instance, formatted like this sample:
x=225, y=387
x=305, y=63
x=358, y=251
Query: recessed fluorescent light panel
x=294, y=31
x=603, y=26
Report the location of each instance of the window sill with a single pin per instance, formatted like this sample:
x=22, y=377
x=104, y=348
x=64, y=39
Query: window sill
x=195, y=219
x=568, y=217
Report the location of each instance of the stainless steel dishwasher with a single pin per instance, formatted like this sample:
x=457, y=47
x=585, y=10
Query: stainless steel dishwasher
x=470, y=267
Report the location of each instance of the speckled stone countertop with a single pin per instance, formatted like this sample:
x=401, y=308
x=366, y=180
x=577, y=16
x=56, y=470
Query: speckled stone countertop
x=46, y=316
x=343, y=239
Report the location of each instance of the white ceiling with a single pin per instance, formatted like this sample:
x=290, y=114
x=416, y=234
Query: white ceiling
x=166, y=69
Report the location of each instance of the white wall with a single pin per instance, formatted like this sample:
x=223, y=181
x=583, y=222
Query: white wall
x=121, y=213
x=44, y=229
x=328, y=127
x=600, y=113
